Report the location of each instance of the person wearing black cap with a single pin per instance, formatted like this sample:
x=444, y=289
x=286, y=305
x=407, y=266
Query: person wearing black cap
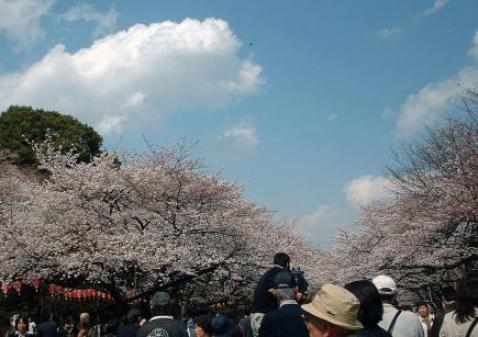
x=287, y=319
x=162, y=324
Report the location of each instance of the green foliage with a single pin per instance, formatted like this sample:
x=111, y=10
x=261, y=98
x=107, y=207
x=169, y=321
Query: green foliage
x=22, y=125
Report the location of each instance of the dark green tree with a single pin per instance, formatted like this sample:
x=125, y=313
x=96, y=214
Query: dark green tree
x=20, y=126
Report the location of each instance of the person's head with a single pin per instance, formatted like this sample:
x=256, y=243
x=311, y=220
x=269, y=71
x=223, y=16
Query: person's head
x=283, y=260
x=160, y=303
x=386, y=286
x=423, y=309
x=448, y=295
x=284, y=286
x=203, y=326
x=21, y=324
x=133, y=316
x=332, y=313
x=222, y=326
x=197, y=308
x=371, y=309
x=84, y=320
x=13, y=319
x=466, y=298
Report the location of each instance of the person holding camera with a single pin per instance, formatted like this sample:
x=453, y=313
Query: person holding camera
x=264, y=300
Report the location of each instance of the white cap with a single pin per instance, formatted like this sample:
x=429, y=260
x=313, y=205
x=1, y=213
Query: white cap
x=385, y=285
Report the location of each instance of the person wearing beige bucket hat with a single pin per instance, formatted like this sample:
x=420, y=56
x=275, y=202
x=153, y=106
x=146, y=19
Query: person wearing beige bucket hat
x=332, y=313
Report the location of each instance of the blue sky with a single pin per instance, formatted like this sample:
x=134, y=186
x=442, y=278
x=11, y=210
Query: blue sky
x=299, y=102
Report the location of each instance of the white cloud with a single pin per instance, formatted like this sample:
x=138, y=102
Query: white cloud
x=105, y=22
x=365, y=189
x=138, y=75
x=437, y=4
x=474, y=48
x=240, y=137
x=433, y=101
x=387, y=33
x=20, y=20
x=321, y=226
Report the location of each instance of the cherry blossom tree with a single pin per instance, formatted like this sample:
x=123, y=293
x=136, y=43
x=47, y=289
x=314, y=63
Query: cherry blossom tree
x=426, y=232
x=146, y=222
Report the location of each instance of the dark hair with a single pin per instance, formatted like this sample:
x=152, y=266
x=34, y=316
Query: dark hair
x=195, y=309
x=21, y=318
x=204, y=322
x=281, y=259
x=449, y=293
x=133, y=315
x=467, y=298
x=371, y=309
x=422, y=304
x=159, y=310
x=388, y=298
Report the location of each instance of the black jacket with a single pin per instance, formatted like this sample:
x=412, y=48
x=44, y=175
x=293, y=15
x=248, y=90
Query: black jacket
x=162, y=327
x=48, y=329
x=373, y=331
x=264, y=302
x=284, y=322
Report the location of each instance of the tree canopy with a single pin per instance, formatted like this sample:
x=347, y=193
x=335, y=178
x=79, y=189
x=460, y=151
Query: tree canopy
x=22, y=126
x=147, y=222
x=425, y=233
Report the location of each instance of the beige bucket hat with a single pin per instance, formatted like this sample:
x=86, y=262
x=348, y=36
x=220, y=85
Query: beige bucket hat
x=335, y=305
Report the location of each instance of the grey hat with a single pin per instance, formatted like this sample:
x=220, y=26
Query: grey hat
x=283, y=280
x=160, y=299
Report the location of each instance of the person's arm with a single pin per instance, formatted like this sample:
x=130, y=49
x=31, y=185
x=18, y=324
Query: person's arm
x=419, y=329
x=265, y=329
x=444, y=328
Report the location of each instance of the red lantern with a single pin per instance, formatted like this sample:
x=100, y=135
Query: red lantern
x=94, y=294
x=18, y=286
x=52, y=289
x=37, y=283
x=5, y=288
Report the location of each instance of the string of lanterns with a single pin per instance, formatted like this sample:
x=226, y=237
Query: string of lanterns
x=55, y=290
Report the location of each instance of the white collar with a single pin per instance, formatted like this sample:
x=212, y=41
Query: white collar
x=161, y=317
x=287, y=302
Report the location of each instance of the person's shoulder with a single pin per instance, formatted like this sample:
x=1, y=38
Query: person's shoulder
x=410, y=315
x=293, y=309
x=272, y=271
x=449, y=317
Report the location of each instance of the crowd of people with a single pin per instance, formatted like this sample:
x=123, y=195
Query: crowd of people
x=280, y=308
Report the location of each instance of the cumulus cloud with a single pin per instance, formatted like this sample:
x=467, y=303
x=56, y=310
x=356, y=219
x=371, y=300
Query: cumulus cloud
x=432, y=101
x=437, y=4
x=387, y=33
x=366, y=189
x=138, y=75
x=20, y=20
x=321, y=226
x=105, y=22
x=242, y=137
x=474, y=48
